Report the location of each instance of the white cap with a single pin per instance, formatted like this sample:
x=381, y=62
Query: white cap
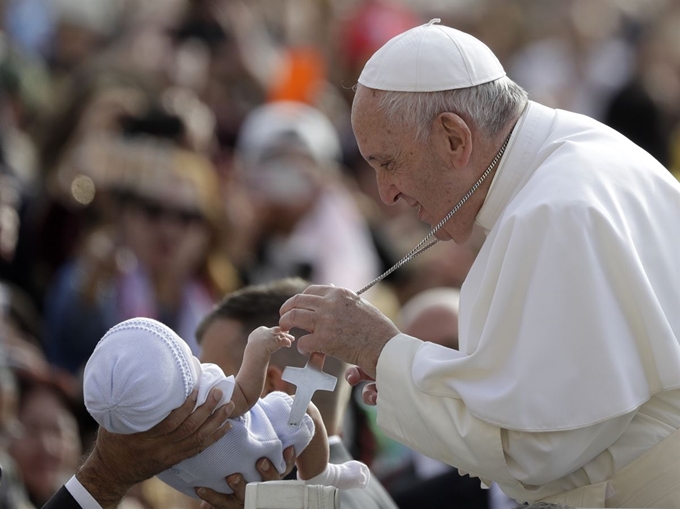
x=290, y=124
x=138, y=373
x=430, y=58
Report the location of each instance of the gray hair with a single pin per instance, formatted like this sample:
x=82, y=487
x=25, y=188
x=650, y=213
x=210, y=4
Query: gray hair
x=487, y=107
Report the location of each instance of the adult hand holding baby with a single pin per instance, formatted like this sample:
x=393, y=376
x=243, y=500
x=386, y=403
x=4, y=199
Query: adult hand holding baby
x=213, y=499
x=118, y=461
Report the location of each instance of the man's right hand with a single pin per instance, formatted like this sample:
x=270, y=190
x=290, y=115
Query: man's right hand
x=117, y=462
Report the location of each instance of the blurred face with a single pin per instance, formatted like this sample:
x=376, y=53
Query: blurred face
x=48, y=450
x=405, y=169
x=166, y=229
x=283, y=190
x=222, y=344
x=437, y=324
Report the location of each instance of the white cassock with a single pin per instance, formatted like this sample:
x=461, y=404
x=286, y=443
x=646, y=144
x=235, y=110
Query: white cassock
x=569, y=361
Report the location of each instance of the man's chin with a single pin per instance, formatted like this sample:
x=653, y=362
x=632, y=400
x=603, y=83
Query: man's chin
x=443, y=235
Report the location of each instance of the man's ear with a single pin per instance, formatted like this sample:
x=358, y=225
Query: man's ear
x=274, y=382
x=453, y=138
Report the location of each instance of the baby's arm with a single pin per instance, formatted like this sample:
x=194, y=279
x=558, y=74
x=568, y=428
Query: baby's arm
x=262, y=343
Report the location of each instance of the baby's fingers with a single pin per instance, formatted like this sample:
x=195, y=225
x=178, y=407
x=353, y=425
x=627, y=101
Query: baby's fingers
x=285, y=339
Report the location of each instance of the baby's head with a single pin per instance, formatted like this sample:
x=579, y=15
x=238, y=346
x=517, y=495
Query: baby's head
x=139, y=372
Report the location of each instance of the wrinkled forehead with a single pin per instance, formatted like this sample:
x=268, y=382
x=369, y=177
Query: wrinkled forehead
x=366, y=102
x=375, y=136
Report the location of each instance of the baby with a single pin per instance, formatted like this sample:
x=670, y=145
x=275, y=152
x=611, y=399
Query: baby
x=141, y=370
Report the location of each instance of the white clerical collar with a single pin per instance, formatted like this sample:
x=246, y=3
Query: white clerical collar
x=515, y=169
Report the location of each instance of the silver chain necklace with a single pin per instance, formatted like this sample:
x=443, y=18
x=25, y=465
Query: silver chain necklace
x=423, y=245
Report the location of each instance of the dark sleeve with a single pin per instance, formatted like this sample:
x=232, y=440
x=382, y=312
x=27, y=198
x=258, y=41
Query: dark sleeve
x=62, y=500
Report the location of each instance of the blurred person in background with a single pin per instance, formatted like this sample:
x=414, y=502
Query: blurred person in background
x=647, y=107
x=304, y=220
x=363, y=28
x=163, y=257
x=74, y=191
x=12, y=491
x=574, y=55
x=47, y=449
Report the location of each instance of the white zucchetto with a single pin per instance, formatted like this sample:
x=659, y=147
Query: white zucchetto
x=431, y=58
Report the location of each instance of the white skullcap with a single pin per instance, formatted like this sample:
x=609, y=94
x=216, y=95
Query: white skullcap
x=431, y=58
x=288, y=124
x=138, y=373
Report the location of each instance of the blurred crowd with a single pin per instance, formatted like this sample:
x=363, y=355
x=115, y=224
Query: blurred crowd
x=156, y=155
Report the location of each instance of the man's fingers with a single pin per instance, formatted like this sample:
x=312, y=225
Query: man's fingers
x=208, y=433
x=289, y=457
x=305, y=344
x=355, y=375
x=320, y=290
x=300, y=318
x=175, y=418
x=198, y=417
x=370, y=394
x=267, y=470
x=238, y=484
x=301, y=301
x=218, y=500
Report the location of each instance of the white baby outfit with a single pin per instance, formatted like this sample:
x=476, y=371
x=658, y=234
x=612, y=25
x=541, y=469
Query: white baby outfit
x=141, y=370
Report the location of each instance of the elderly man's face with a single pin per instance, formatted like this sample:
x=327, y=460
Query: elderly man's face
x=406, y=169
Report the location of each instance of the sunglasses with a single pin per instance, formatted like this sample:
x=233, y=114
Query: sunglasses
x=154, y=210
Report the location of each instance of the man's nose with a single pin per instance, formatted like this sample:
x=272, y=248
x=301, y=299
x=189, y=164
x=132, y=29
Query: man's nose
x=389, y=194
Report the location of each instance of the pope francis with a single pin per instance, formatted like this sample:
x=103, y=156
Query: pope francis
x=566, y=387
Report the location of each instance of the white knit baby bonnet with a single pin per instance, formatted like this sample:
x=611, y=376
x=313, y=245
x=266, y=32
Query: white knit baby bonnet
x=140, y=371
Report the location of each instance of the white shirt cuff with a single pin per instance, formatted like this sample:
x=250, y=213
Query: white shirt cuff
x=81, y=495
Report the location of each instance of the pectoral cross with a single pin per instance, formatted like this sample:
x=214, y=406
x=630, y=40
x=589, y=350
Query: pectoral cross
x=308, y=380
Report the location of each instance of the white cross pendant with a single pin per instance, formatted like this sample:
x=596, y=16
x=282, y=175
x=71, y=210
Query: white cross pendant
x=307, y=380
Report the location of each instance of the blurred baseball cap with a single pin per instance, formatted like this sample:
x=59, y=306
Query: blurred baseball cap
x=287, y=126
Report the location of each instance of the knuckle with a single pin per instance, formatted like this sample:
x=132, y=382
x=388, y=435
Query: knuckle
x=188, y=427
x=294, y=315
x=165, y=427
x=202, y=440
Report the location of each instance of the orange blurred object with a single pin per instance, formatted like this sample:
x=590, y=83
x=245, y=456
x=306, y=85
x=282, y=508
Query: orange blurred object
x=301, y=78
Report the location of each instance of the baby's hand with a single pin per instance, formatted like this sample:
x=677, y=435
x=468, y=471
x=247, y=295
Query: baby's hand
x=273, y=338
